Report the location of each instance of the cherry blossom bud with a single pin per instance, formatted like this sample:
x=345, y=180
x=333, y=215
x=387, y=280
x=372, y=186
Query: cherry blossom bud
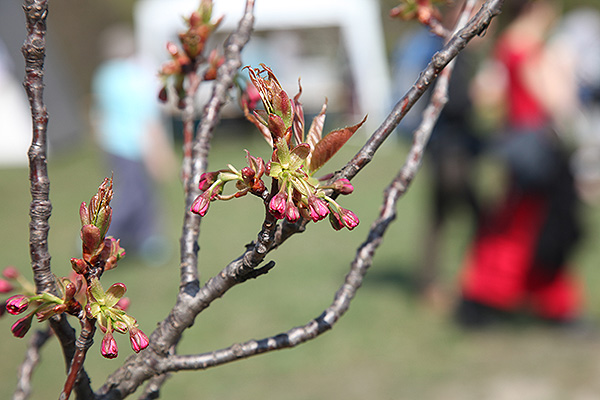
x=78, y=265
x=291, y=212
x=348, y=218
x=11, y=272
x=207, y=179
x=343, y=186
x=277, y=205
x=317, y=208
x=15, y=305
x=139, y=340
x=200, y=205
x=70, y=290
x=5, y=286
x=21, y=327
x=109, y=347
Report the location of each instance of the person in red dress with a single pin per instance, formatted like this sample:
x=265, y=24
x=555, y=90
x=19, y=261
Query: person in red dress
x=518, y=259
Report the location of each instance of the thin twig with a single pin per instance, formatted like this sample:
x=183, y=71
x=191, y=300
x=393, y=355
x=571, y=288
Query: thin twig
x=156, y=360
x=476, y=26
x=32, y=358
x=358, y=268
x=201, y=147
x=139, y=368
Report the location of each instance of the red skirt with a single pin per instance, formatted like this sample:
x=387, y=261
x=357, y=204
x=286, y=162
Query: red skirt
x=500, y=270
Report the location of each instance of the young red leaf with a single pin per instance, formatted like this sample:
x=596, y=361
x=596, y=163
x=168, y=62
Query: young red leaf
x=316, y=128
x=254, y=118
x=330, y=144
x=298, y=117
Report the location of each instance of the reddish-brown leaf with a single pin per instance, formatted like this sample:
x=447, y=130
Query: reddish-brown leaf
x=254, y=118
x=315, y=131
x=298, y=118
x=330, y=144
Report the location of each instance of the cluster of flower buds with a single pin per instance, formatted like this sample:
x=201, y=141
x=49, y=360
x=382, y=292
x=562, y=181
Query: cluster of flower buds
x=295, y=159
x=424, y=11
x=108, y=308
x=82, y=295
x=43, y=306
x=189, y=55
x=12, y=281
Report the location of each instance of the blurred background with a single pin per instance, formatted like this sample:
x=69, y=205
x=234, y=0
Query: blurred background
x=401, y=338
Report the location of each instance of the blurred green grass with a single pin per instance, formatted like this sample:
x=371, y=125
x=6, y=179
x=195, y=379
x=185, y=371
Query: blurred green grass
x=388, y=346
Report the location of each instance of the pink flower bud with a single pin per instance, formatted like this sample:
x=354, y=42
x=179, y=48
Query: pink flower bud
x=21, y=327
x=15, y=305
x=200, y=205
x=277, y=205
x=207, y=179
x=343, y=186
x=291, y=212
x=139, y=340
x=5, y=286
x=109, y=347
x=348, y=218
x=11, y=272
x=317, y=208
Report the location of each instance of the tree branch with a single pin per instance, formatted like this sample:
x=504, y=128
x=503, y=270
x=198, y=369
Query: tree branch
x=476, y=26
x=140, y=367
x=34, y=52
x=359, y=266
x=156, y=360
x=201, y=146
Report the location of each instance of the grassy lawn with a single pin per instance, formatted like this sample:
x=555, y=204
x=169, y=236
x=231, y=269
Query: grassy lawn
x=388, y=346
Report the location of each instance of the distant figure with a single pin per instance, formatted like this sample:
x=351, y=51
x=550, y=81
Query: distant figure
x=519, y=258
x=130, y=132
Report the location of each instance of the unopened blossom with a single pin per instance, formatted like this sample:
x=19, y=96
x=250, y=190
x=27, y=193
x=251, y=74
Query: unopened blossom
x=342, y=186
x=200, y=205
x=277, y=205
x=292, y=213
x=21, y=327
x=139, y=340
x=109, y=347
x=15, y=305
x=317, y=208
x=343, y=218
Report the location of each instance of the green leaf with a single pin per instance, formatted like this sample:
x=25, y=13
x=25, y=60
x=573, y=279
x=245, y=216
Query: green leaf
x=97, y=291
x=298, y=156
x=114, y=294
x=330, y=144
x=283, y=152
